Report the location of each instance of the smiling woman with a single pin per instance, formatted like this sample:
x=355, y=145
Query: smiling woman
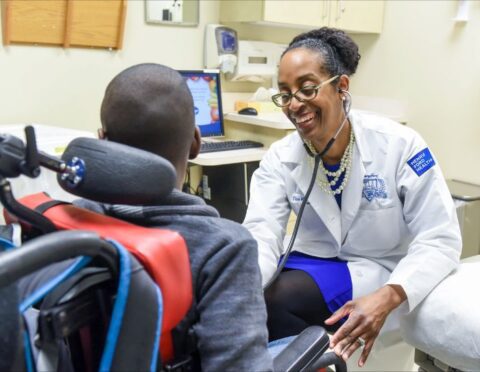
x=378, y=211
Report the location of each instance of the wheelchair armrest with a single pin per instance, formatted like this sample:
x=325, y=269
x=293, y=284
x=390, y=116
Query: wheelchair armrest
x=329, y=359
x=303, y=351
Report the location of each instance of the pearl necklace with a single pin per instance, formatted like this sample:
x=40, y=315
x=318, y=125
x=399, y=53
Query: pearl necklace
x=345, y=166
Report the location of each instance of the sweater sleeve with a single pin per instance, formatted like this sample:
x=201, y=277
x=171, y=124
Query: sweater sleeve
x=231, y=331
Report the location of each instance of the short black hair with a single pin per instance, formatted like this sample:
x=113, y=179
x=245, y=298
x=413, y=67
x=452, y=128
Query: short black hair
x=149, y=106
x=338, y=52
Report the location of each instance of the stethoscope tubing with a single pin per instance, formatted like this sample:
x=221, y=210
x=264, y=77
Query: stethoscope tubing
x=317, y=158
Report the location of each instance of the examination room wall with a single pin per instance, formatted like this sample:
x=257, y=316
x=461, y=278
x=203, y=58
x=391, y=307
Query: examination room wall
x=432, y=65
x=422, y=58
x=64, y=87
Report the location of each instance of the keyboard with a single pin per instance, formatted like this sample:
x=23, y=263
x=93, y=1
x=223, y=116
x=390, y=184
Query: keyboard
x=228, y=145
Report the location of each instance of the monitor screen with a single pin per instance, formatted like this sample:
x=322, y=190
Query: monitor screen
x=207, y=101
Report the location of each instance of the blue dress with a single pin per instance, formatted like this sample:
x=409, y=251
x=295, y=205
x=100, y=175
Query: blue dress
x=330, y=274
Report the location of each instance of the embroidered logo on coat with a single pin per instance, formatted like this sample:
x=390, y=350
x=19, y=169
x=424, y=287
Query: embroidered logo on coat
x=297, y=198
x=374, y=187
x=421, y=162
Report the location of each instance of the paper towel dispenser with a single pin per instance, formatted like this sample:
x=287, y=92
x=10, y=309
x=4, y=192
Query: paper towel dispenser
x=240, y=60
x=257, y=61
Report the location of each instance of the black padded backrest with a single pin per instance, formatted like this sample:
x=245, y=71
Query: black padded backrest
x=117, y=174
x=136, y=347
x=10, y=345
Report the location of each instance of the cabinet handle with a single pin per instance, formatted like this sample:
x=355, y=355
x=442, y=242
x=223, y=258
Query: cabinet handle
x=324, y=9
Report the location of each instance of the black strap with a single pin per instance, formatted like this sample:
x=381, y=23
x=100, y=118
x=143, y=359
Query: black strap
x=185, y=362
x=180, y=365
x=42, y=208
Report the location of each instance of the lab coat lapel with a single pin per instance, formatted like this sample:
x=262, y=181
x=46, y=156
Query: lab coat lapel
x=352, y=194
x=322, y=203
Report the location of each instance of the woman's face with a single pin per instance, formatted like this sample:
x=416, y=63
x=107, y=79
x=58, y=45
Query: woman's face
x=319, y=118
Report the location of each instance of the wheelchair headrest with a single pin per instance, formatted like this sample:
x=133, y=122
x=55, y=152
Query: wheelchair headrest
x=117, y=174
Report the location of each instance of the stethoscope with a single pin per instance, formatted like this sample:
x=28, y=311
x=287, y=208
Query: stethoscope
x=346, y=108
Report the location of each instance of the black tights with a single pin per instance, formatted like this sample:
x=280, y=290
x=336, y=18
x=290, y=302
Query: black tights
x=294, y=302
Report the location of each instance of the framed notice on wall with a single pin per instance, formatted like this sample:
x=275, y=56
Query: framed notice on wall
x=172, y=12
x=92, y=23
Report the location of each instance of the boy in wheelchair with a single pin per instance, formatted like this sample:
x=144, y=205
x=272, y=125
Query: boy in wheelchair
x=149, y=107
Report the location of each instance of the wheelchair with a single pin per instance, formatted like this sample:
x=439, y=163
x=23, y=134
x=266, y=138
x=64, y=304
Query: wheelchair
x=126, y=287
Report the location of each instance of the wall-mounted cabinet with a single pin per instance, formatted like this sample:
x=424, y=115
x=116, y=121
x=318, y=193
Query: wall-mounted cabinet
x=349, y=15
x=87, y=23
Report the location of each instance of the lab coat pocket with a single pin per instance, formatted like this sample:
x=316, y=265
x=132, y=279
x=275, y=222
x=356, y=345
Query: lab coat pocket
x=311, y=229
x=376, y=204
x=375, y=231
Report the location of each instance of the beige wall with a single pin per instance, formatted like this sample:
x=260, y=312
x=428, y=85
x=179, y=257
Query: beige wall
x=433, y=64
x=64, y=87
x=430, y=63
x=422, y=58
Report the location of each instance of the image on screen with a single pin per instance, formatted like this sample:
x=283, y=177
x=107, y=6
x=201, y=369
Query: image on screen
x=205, y=89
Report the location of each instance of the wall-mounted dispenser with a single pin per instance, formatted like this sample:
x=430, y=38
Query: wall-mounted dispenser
x=257, y=61
x=220, y=48
x=240, y=60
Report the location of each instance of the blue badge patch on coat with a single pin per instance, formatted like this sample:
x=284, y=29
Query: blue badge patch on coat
x=374, y=187
x=421, y=162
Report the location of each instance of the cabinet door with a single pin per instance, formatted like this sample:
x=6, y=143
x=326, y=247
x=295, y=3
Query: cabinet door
x=241, y=11
x=296, y=12
x=93, y=23
x=357, y=15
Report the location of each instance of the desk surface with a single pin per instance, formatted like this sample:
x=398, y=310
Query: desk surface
x=274, y=120
x=229, y=157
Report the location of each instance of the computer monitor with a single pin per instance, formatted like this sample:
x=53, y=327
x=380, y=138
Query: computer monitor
x=207, y=99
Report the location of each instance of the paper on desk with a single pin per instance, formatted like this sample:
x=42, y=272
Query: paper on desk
x=263, y=94
x=261, y=100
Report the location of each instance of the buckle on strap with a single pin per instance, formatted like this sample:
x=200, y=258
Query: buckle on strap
x=180, y=365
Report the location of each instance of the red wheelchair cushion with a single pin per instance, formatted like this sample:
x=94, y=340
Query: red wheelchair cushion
x=162, y=252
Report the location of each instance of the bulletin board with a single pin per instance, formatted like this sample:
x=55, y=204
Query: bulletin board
x=82, y=23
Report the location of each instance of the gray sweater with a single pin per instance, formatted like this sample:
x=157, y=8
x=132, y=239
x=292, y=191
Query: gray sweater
x=228, y=312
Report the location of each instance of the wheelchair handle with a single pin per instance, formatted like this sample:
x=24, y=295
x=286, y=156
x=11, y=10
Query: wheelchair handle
x=51, y=248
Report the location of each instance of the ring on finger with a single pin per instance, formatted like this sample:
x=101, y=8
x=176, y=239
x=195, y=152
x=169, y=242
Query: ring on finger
x=361, y=341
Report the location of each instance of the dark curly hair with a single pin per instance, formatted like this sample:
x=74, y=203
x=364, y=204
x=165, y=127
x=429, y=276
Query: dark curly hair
x=338, y=51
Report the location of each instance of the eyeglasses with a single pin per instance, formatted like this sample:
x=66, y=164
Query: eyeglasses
x=304, y=94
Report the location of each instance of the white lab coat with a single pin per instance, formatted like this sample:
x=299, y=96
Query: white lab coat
x=409, y=235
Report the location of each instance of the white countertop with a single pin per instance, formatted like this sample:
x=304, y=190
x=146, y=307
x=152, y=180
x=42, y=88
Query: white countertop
x=229, y=157
x=275, y=120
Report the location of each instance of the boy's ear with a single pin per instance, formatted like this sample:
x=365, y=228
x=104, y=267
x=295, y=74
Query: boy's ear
x=102, y=134
x=196, y=143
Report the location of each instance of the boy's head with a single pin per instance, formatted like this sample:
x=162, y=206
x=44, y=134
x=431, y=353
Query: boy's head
x=150, y=107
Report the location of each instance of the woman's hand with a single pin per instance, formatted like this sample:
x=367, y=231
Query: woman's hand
x=366, y=316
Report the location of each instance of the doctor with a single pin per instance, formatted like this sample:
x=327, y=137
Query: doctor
x=379, y=229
